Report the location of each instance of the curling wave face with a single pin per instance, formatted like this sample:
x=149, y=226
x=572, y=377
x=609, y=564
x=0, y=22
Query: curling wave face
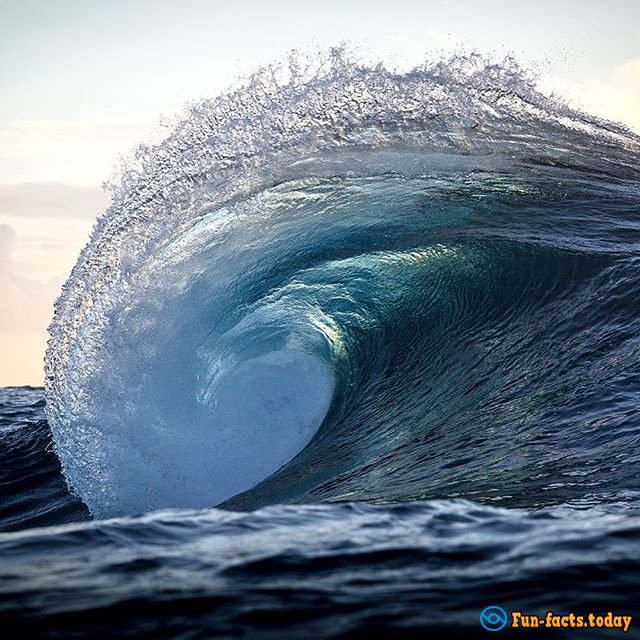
x=344, y=283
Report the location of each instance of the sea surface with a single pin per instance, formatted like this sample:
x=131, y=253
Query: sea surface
x=353, y=353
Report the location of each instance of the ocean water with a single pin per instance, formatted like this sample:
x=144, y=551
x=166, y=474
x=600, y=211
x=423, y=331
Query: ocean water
x=353, y=353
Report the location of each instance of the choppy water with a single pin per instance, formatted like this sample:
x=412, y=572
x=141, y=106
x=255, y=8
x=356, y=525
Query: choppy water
x=388, y=323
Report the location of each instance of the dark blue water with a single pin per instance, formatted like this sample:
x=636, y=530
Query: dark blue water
x=352, y=570
x=352, y=354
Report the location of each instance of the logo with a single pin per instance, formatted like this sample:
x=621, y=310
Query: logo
x=493, y=618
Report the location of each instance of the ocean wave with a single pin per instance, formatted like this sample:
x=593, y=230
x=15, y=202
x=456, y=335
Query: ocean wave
x=339, y=282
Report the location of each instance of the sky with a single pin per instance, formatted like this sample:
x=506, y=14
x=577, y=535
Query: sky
x=82, y=82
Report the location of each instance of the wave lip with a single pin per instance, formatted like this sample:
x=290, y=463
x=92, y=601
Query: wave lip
x=304, y=276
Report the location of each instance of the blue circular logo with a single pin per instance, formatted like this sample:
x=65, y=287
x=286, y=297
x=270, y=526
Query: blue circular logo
x=493, y=618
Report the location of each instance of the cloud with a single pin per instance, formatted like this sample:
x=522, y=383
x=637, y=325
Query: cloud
x=19, y=296
x=51, y=200
x=26, y=307
x=615, y=98
x=42, y=229
x=75, y=152
x=7, y=240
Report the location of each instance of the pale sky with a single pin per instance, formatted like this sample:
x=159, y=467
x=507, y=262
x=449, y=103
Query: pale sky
x=81, y=82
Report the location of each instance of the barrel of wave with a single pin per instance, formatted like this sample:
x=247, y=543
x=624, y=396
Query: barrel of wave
x=261, y=413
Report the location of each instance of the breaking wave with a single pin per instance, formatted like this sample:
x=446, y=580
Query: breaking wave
x=340, y=282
